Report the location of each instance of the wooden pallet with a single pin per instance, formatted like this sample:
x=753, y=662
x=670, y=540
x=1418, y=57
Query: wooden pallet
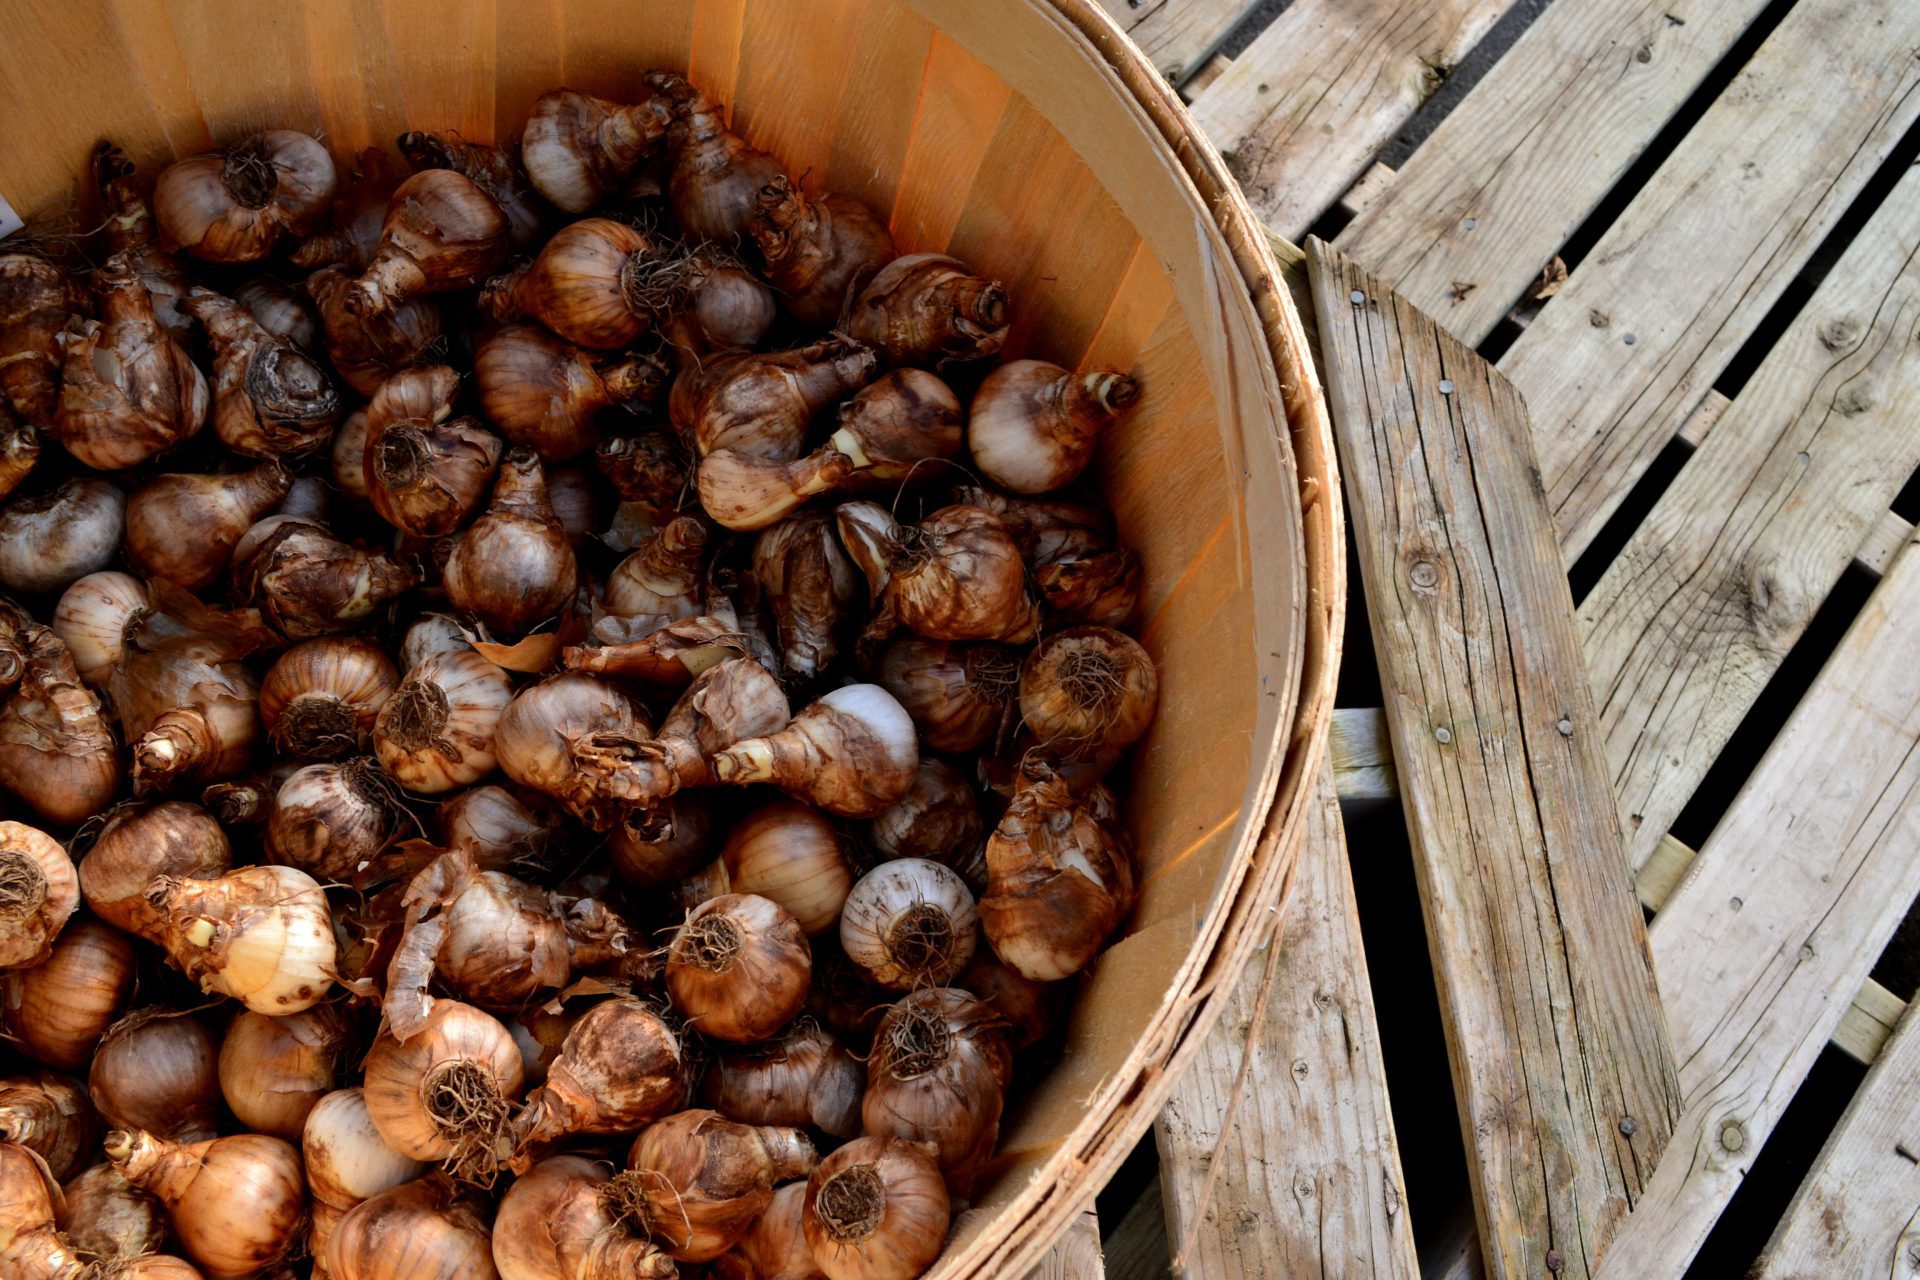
x=1693, y=246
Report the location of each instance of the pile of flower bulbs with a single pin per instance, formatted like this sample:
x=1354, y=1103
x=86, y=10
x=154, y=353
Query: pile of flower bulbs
x=591, y=766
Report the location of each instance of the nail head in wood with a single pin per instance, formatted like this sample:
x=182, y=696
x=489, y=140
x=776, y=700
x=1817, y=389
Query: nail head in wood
x=1359, y=298
x=1629, y=339
x=1628, y=1126
x=1443, y=735
x=1565, y=727
x=1446, y=386
x=1424, y=575
x=1732, y=1135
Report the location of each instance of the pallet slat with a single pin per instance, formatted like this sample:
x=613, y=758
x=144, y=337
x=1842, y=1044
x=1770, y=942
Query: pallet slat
x=1179, y=35
x=1310, y=1180
x=1692, y=619
x=1789, y=904
x=1553, y=1024
x=1301, y=113
x=1671, y=292
x=1077, y=1256
x=1855, y=1213
x=1507, y=178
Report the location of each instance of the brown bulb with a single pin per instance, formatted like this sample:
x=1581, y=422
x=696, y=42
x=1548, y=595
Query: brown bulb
x=128, y=390
x=236, y=205
x=427, y=472
x=308, y=583
x=184, y=527
x=367, y=347
x=957, y=575
x=543, y=392
x=57, y=753
x=1033, y=425
x=270, y=398
x=50, y=540
x=132, y=229
x=939, y=1073
x=580, y=150
x=762, y=404
x=36, y=298
x=281, y=309
x=927, y=308
x=514, y=568
x=495, y=170
x=591, y=284
x=158, y=1069
x=56, y=1012
x=442, y=233
x=817, y=249
x=319, y=700
x=738, y=968
x=715, y=181
x=140, y=841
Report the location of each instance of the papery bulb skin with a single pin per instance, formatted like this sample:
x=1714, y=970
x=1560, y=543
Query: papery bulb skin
x=790, y=854
x=320, y=698
x=593, y=284
x=697, y=1181
x=715, y=181
x=444, y=1094
x=538, y=734
x=442, y=233
x=281, y=309
x=132, y=229
x=91, y=619
x=495, y=170
x=738, y=968
x=746, y=492
x=368, y=347
x=308, y=583
x=662, y=581
x=56, y=1012
x=427, y=471
x=668, y=656
x=57, y=753
x=939, y=1073
x=19, y=451
x=543, y=392
x=263, y=935
x=762, y=403
x=1088, y=692
x=437, y=731
x=429, y=1229
x=802, y=1077
x=876, y=1209
x=621, y=1067
x=236, y=205
x=237, y=1204
x=346, y=1158
x=812, y=587
x=270, y=398
x=274, y=1071
x=909, y=923
x=50, y=540
x=580, y=150
x=928, y=309
x=555, y=1224
x=817, y=250
x=31, y=1247
x=184, y=527
x=903, y=429
x=106, y=1217
x=1059, y=881
x=335, y=821
x=514, y=568
x=957, y=575
x=39, y=890
x=36, y=300
x=853, y=752
x=50, y=1115
x=158, y=1069
x=961, y=695
x=359, y=212
x=1033, y=425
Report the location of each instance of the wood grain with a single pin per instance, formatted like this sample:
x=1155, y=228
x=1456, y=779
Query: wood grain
x=1513, y=171
x=1854, y=1214
x=1547, y=997
x=1677, y=285
x=1361, y=752
x=1690, y=622
x=1301, y=113
x=1309, y=1182
x=1136, y=1249
x=1786, y=909
x=1077, y=1256
x=1178, y=35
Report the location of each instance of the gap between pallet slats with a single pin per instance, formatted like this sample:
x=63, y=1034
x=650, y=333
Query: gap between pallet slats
x=1790, y=902
x=1304, y=109
x=1553, y=1023
x=1513, y=171
x=1692, y=619
x=1308, y=1182
x=1679, y=283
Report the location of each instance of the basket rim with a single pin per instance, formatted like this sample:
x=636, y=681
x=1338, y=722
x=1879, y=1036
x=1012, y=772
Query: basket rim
x=1045, y=1212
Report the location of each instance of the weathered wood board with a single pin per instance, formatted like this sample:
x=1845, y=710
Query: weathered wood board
x=1565, y=1079
x=1503, y=182
x=1695, y=615
x=1675, y=287
x=1785, y=910
x=1308, y=1182
x=1179, y=35
x=1077, y=1256
x=1304, y=109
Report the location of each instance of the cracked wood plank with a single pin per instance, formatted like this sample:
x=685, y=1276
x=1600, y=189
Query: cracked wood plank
x=1701, y=607
x=1783, y=914
x=1310, y=1182
x=1562, y=1068
x=1857, y=1213
x=1178, y=36
x=1077, y=1256
x=1512, y=172
x=1303, y=111
x=1651, y=317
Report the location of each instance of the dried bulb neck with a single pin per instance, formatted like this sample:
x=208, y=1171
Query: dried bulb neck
x=790, y=1151
x=23, y=885
x=403, y=457
x=1107, y=393
x=746, y=762
x=637, y=379
x=521, y=487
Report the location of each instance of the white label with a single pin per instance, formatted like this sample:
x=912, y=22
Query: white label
x=9, y=220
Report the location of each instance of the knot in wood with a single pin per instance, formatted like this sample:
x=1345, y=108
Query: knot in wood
x=1424, y=575
x=1555, y=1263
x=1733, y=1135
x=1301, y=1070
x=1839, y=334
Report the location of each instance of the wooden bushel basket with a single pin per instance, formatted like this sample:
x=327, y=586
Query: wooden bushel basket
x=1029, y=138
